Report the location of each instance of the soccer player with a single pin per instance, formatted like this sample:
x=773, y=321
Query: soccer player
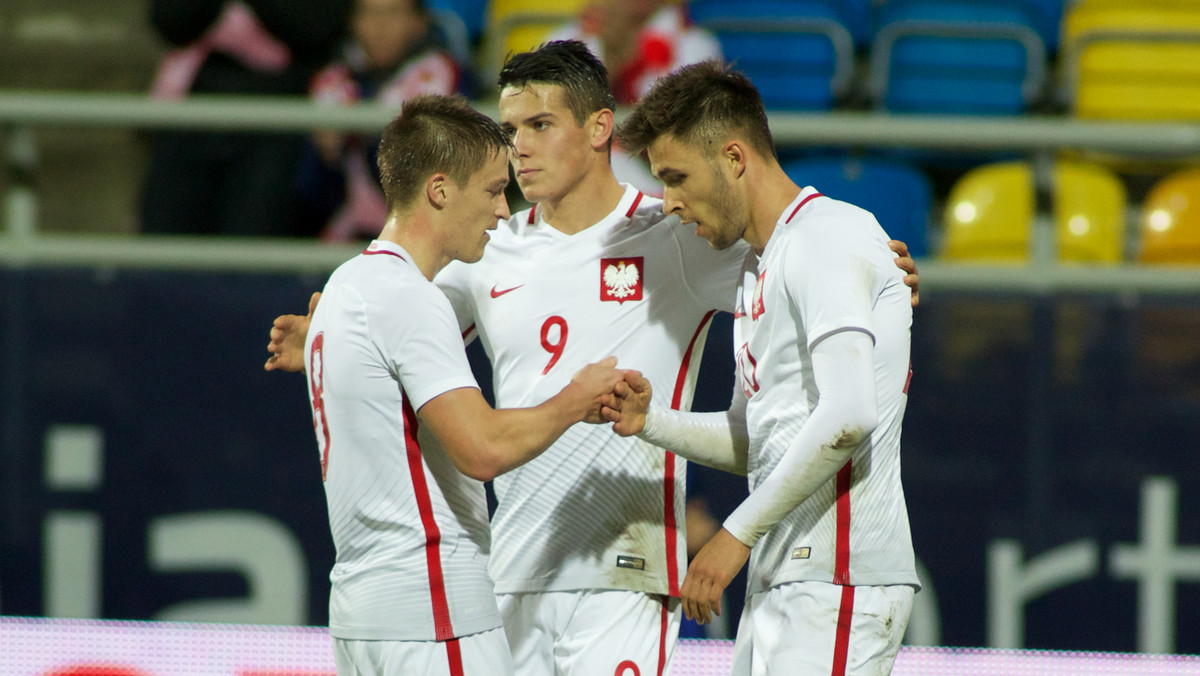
x=822, y=339
x=588, y=542
x=410, y=589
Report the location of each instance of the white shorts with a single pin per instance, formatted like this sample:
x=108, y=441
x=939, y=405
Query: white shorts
x=819, y=629
x=591, y=633
x=481, y=654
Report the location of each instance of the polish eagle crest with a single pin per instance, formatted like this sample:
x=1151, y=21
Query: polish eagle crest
x=621, y=279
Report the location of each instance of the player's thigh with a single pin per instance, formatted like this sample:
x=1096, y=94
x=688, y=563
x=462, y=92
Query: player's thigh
x=818, y=628
x=742, y=661
x=530, y=625
x=619, y=633
x=479, y=654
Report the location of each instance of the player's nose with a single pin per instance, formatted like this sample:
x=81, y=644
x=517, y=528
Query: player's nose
x=670, y=203
x=520, y=146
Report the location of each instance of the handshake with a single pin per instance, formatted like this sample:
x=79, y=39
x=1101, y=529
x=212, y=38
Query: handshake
x=606, y=394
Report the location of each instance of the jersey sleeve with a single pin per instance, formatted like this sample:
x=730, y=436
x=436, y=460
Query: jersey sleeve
x=844, y=369
x=420, y=344
x=454, y=281
x=831, y=280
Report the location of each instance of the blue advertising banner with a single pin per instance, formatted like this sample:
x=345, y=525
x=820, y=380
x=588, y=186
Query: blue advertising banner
x=153, y=470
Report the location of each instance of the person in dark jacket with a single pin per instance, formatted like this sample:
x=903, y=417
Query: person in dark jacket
x=233, y=183
x=394, y=52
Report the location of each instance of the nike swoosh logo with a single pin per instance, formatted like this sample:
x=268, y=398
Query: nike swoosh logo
x=496, y=293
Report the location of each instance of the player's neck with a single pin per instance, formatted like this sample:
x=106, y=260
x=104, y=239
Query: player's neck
x=421, y=248
x=585, y=205
x=774, y=192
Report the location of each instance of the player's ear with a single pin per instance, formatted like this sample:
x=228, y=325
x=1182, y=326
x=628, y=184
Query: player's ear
x=601, y=124
x=437, y=190
x=733, y=155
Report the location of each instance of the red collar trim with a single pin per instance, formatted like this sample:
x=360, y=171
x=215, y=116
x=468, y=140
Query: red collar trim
x=633, y=207
x=801, y=205
x=375, y=252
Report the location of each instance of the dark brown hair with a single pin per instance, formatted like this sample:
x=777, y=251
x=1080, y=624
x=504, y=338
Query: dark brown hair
x=569, y=65
x=435, y=134
x=701, y=104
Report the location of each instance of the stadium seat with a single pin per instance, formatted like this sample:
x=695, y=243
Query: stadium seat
x=900, y=195
x=1089, y=213
x=521, y=25
x=798, y=53
x=990, y=213
x=1170, y=220
x=1048, y=16
x=1132, y=61
x=470, y=14
x=454, y=33
x=854, y=15
x=957, y=57
x=1043, y=16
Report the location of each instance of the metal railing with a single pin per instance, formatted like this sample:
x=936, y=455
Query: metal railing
x=22, y=244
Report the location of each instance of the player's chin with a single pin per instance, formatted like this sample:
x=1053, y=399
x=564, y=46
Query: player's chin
x=708, y=236
x=534, y=192
x=477, y=253
x=716, y=239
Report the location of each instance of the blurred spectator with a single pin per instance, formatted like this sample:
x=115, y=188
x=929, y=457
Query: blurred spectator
x=638, y=41
x=712, y=497
x=233, y=183
x=395, y=53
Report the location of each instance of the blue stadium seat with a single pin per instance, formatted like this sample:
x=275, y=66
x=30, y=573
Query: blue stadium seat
x=1043, y=16
x=854, y=15
x=469, y=12
x=1049, y=18
x=900, y=195
x=958, y=57
x=798, y=53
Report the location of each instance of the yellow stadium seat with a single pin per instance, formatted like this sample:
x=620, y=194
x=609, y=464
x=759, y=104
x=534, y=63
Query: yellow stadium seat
x=990, y=212
x=521, y=25
x=1170, y=220
x=1089, y=213
x=1133, y=61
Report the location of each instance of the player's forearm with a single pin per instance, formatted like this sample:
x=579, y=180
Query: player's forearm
x=716, y=440
x=816, y=455
x=844, y=417
x=513, y=437
x=518, y=435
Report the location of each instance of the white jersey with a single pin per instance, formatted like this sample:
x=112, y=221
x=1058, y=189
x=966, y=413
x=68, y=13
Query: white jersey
x=595, y=511
x=826, y=268
x=411, y=532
